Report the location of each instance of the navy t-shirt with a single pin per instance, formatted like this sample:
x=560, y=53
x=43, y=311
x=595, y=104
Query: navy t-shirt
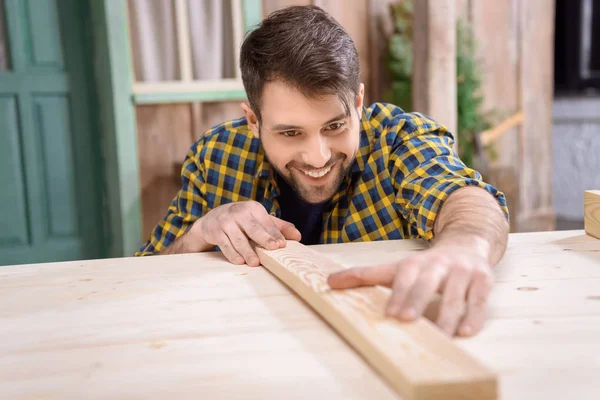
x=307, y=217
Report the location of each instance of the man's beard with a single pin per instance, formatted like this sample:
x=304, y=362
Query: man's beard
x=313, y=194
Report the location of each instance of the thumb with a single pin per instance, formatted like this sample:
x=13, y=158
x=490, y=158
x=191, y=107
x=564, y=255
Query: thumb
x=287, y=229
x=382, y=275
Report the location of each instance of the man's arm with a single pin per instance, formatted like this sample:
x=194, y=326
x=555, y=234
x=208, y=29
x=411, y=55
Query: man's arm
x=471, y=216
x=187, y=243
x=463, y=218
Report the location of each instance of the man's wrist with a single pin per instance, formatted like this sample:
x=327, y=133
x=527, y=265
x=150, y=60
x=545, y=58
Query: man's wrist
x=470, y=242
x=194, y=238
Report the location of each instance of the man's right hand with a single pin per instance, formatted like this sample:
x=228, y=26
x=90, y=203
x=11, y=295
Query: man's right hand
x=231, y=226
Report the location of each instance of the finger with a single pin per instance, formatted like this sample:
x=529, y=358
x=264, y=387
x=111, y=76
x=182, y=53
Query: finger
x=256, y=231
x=224, y=244
x=423, y=290
x=405, y=278
x=453, y=300
x=477, y=298
x=287, y=229
x=242, y=246
x=363, y=276
x=270, y=227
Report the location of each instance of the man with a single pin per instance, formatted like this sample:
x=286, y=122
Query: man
x=309, y=162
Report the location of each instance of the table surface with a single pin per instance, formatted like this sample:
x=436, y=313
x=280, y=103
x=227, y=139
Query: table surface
x=195, y=326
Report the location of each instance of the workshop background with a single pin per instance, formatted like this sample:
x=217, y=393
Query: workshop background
x=101, y=99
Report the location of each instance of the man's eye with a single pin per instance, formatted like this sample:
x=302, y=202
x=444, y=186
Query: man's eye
x=290, y=133
x=336, y=126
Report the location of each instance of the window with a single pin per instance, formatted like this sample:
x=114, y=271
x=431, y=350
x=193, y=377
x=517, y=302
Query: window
x=577, y=47
x=188, y=50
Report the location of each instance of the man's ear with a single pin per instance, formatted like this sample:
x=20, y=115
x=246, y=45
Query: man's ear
x=360, y=98
x=251, y=118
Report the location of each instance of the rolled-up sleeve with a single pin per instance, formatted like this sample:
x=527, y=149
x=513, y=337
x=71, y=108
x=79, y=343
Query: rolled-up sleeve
x=426, y=170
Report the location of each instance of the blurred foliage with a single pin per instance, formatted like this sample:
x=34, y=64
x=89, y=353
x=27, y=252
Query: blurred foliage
x=471, y=119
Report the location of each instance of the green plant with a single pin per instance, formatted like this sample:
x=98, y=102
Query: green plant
x=470, y=119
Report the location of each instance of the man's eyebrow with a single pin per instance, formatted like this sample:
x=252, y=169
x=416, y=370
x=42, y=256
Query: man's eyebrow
x=336, y=118
x=286, y=127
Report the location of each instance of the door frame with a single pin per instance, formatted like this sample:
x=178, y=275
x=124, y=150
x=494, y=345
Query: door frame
x=116, y=112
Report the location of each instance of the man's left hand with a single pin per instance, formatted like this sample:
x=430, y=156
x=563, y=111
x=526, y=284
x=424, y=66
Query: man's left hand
x=461, y=273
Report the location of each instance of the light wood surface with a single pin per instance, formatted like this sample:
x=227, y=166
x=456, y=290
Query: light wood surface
x=591, y=212
x=194, y=326
x=417, y=359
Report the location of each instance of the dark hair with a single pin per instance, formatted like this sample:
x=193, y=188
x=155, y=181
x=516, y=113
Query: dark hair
x=304, y=47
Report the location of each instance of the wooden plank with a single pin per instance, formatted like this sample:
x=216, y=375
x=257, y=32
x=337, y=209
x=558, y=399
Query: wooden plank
x=103, y=326
x=417, y=359
x=536, y=60
x=434, y=61
x=591, y=212
x=495, y=27
x=355, y=21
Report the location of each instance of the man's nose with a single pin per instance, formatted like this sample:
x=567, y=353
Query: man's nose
x=316, y=152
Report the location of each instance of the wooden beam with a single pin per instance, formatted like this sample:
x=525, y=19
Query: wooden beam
x=536, y=85
x=591, y=212
x=417, y=359
x=434, y=61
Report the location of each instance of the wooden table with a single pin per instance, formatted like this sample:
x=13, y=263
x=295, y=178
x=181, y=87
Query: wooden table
x=194, y=326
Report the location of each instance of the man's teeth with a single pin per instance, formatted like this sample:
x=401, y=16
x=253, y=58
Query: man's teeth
x=317, y=174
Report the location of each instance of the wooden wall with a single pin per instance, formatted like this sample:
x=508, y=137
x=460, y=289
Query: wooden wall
x=515, y=48
x=516, y=42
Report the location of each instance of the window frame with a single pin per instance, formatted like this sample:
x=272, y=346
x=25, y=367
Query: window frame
x=187, y=89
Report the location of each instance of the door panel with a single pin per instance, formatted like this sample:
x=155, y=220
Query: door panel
x=51, y=187
x=13, y=216
x=53, y=128
x=44, y=31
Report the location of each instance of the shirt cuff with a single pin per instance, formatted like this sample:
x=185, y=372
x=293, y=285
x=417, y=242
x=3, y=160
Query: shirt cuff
x=437, y=194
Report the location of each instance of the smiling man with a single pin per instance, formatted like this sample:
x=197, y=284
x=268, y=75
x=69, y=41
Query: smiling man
x=310, y=162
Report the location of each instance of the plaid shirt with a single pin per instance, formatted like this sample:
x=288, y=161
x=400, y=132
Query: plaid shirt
x=404, y=170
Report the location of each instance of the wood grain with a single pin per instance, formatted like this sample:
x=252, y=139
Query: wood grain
x=417, y=359
x=194, y=326
x=591, y=212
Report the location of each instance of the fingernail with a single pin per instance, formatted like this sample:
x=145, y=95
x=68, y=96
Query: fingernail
x=466, y=330
x=409, y=313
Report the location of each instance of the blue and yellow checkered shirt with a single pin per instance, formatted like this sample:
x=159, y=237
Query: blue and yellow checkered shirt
x=404, y=170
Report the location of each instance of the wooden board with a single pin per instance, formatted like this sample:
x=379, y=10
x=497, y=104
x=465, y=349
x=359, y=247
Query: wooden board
x=591, y=212
x=536, y=85
x=417, y=359
x=194, y=326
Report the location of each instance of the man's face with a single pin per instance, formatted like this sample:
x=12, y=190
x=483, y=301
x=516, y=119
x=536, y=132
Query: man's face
x=311, y=143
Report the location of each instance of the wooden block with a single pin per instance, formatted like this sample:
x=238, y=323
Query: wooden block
x=591, y=212
x=417, y=359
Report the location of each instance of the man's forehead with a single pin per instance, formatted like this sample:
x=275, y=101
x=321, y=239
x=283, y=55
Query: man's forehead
x=283, y=104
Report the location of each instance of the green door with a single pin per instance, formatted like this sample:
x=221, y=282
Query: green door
x=50, y=171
